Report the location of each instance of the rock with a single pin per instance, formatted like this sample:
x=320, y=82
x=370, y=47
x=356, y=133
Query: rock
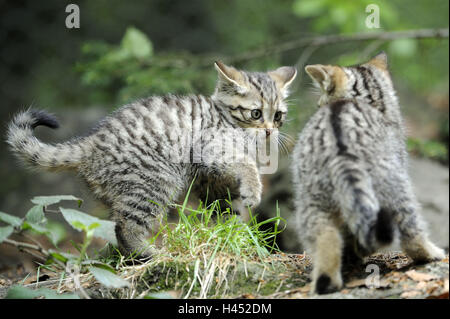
x=431, y=185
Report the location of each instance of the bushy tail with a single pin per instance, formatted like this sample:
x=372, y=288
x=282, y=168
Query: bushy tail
x=35, y=153
x=372, y=226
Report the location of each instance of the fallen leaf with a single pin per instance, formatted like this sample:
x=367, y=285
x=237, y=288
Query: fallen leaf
x=421, y=285
x=305, y=288
x=384, y=284
x=419, y=276
x=410, y=294
x=356, y=283
x=362, y=283
x=441, y=296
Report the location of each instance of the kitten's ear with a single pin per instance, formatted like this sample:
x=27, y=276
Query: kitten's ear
x=283, y=76
x=380, y=61
x=321, y=74
x=229, y=74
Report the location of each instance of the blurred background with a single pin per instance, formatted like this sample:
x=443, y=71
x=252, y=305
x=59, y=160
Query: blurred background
x=124, y=50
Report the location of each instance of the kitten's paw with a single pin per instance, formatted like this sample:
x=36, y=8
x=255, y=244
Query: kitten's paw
x=324, y=284
x=425, y=252
x=251, y=195
x=240, y=208
x=146, y=252
x=433, y=253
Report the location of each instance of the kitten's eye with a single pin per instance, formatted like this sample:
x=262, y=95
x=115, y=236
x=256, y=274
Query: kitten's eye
x=277, y=116
x=256, y=114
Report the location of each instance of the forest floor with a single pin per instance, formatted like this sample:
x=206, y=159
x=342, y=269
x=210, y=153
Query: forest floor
x=281, y=277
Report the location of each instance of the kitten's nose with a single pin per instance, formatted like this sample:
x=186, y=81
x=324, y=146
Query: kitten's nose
x=268, y=131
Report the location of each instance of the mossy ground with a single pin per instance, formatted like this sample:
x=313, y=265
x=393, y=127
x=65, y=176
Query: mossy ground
x=281, y=276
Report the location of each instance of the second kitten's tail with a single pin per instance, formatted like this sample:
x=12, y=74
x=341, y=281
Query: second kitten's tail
x=372, y=226
x=36, y=153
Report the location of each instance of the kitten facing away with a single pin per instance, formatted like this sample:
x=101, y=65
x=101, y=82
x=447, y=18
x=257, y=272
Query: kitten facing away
x=128, y=160
x=352, y=191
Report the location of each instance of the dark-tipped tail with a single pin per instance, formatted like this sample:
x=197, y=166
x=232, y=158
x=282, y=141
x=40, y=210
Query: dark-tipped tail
x=38, y=118
x=35, y=153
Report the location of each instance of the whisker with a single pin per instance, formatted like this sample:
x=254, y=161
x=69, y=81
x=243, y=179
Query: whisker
x=287, y=137
x=283, y=146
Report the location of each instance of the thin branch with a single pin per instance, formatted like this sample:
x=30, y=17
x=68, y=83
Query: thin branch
x=21, y=245
x=339, y=38
x=306, y=54
x=30, y=252
x=37, y=247
x=370, y=49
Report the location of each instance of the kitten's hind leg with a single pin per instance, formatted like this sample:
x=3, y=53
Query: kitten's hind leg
x=135, y=225
x=323, y=239
x=413, y=236
x=414, y=239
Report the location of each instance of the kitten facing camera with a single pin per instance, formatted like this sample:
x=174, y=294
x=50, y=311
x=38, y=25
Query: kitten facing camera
x=128, y=159
x=352, y=190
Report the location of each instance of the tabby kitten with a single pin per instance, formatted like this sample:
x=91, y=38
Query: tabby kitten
x=350, y=173
x=128, y=160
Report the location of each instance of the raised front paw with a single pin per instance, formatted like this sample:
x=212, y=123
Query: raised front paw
x=243, y=211
x=250, y=194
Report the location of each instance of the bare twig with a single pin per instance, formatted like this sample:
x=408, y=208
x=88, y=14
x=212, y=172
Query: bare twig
x=21, y=245
x=28, y=248
x=306, y=54
x=339, y=38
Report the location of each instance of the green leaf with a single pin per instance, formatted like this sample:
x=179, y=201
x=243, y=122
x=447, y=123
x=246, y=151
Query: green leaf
x=98, y=264
x=5, y=232
x=36, y=215
x=159, y=295
x=136, y=43
x=62, y=256
x=10, y=219
x=21, y=292
x=105, y=230
x=56, y=232
x=93, y=226
x=58, y=256
x=108, y=279
x=36, y=227
x=79, y=225
x=49, y=200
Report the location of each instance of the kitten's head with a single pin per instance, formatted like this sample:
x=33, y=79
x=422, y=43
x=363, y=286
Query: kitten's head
x=254, y=99
x=369, y=81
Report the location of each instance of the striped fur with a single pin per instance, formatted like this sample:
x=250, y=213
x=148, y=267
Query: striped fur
x=350, y=172
x=128, y=159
